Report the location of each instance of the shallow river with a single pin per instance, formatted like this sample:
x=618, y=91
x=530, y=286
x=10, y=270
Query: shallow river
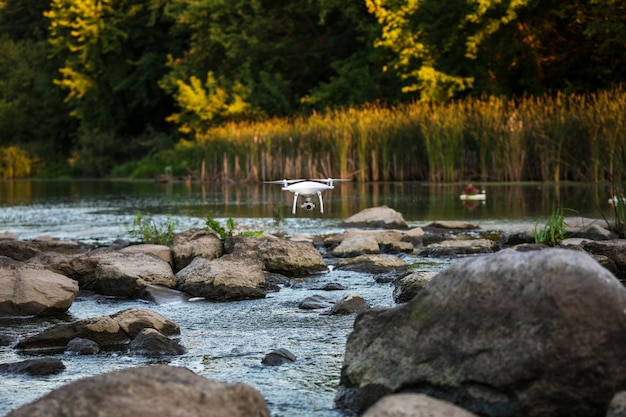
x=227, y=341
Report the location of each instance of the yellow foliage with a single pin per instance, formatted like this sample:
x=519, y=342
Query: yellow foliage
x=15, y=162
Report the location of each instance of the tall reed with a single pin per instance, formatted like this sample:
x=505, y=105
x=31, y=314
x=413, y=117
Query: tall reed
x=548, y=138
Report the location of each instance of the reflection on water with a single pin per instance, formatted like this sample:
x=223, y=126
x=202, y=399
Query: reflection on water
x=100, y=210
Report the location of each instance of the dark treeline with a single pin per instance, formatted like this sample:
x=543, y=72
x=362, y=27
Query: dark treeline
x=102, y=87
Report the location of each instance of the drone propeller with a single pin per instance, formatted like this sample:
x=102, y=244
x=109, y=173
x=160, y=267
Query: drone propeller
x=283, y=181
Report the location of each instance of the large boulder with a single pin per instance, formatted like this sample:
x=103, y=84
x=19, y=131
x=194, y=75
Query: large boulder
x=29, y=290
x=414, y=405
x=153, y=391
x=538, y=333
x=195, y=243
x=381, y=217
x=283, y=256
x=229, y=278
x=119, y=274
x=111, y=331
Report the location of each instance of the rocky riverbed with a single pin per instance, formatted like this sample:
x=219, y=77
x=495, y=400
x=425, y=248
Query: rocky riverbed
x=504, y=327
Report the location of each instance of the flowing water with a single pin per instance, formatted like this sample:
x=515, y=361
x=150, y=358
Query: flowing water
x=227, y=341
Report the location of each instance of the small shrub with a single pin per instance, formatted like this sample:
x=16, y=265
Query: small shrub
x=214, y=225
x=147, y=230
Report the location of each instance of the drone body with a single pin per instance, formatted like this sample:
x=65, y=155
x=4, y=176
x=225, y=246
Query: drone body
x=307, y=189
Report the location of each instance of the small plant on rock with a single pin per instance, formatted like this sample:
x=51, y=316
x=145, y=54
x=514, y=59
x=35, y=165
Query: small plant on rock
x=553, y=232
x=147, y=230
x=212, y=224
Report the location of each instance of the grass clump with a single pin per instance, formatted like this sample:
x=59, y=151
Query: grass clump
x=212, y=224
x=553, y=231
x=147, y=230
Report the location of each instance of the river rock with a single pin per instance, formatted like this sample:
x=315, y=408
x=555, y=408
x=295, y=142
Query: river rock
x=511, y=334
x=228, y=278
x=278, y=357
x=81, y=346
x=283, y=256
x=408, y=286
x=162, y=251
x=614, y=250
x=414, y=405
x=195, y=243
x=152, y=391
x=28, y=290
x=119, y=274
x=34, y=367
x=386, y=267
x=355, y=246
x=111, y=331
x=453, y=225
x=151, y=342
x=388, y=241
x=18, y=250
x=381, y=217
x=452, y=248
x=587, y=228
x=315, y=302
x=617, y=406
x=352, y=303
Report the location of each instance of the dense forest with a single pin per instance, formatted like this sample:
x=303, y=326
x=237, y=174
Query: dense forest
x=258, y=89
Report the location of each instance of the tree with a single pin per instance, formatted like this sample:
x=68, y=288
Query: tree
x=114, y=53
x=443, y=50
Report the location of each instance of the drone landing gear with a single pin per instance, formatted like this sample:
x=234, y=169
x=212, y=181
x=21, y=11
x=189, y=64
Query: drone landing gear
x=307, y=205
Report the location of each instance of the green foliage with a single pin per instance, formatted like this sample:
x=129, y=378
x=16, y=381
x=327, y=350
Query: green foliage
x=553, y=231
x=212, y=224
x=147, y=230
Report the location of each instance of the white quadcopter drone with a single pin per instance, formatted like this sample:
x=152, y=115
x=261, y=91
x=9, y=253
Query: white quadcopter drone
x=307, y=189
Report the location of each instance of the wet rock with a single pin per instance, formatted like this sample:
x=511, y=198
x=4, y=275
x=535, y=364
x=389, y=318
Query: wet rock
x=19, y=250
x=28, y=290
x=315, y=302
x=151, y=342
x=409, y=286
x=388, y=241
x=331, y=286
x=112, y=331
x=283, y=256
x=381, y=217
x=414, y=405
x=34, y=367
x=7, y=340
x=152, y=391
x=353, y=303
x=228, y=278
x=81, y=346
x=195, y=243
x=511, y=334
x=278, y=357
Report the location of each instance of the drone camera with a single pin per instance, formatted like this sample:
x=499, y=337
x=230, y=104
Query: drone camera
x=308, y=205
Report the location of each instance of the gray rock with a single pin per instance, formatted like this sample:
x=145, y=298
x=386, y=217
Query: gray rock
x=613, y=250
x=151, y=342
x=414, y=405
x=162, y=251
x=388, y=265
x=278, y=357
x=28, y=290
x=381, y=217
x=81, y=346
x=617, y=406
x=410, y=285
x=34, y=367
x=228, y=278
x=512, y=334
x=152, y=391
x=315, y=302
